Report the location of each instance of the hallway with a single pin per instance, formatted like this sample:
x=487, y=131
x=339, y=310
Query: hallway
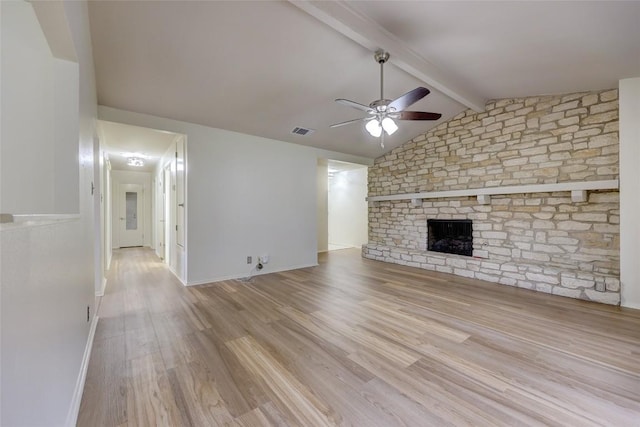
x=353, y=342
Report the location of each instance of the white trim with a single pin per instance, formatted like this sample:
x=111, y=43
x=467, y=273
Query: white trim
x=44, y=217
x=241, y=276
x=513, y=189
x=100, y=293
x=74, y=409
x=175, y=274
x=630, y=305
x=27, y=221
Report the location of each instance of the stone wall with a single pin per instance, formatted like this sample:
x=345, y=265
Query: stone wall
x=538, y=241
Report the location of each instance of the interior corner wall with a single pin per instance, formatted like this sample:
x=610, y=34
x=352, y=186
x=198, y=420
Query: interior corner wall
x=26, y=149
x=630, y=192
x=39, y=120
x=322, y=205
x=66, y=122
x=247, y=196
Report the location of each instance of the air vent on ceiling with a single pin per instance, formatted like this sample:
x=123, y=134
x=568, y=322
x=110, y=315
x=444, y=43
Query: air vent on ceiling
x=302, y=131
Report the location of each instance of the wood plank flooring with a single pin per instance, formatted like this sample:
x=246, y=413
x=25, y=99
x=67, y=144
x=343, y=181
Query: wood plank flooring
x=354, y=342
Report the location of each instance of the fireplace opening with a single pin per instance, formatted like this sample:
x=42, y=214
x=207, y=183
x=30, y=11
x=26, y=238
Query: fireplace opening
x=452, y=236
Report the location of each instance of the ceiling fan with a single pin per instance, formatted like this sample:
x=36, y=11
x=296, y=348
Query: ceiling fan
x=382, y=112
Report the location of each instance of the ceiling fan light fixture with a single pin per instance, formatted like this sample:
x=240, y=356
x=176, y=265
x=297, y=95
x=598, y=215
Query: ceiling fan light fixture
x=389, y=125
x=374, y=128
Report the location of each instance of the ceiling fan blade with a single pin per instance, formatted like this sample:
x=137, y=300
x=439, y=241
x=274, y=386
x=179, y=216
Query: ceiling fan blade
x=418, y=115
x=409, y=98
x=347, y=122
x=354, y=104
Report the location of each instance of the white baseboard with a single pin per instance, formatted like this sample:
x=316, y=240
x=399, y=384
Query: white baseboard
x=176, y=274
x=242, y=276
x=74, y=409
x=630, y=305
x=100, y=293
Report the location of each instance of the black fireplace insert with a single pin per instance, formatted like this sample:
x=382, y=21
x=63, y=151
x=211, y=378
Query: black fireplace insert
x=452, y=236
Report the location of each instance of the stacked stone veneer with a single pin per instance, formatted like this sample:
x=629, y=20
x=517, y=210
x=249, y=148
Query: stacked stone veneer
x=541, y=241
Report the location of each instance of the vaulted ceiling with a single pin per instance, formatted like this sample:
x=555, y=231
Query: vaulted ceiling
x=263, y=68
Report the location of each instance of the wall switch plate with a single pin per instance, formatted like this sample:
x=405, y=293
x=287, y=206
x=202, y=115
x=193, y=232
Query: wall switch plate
x=249, y=260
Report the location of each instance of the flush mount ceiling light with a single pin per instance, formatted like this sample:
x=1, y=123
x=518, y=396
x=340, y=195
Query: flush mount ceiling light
x=136, y=154
x=135, y=161
x=382, y=112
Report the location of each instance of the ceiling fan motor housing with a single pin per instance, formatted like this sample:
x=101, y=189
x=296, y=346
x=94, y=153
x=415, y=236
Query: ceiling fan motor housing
x=380, y=106
x=381, y=56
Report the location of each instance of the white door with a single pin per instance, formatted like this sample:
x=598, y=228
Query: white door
x=168, y=221
x=131, y=215
x=180, y=173
x=161, y=216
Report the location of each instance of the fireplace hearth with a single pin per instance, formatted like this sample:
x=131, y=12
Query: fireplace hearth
x=452, y=236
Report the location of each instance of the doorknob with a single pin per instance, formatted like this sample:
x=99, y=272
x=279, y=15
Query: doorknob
x=121, y=219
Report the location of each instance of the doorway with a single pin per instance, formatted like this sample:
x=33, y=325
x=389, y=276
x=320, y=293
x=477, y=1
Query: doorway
x=342, y=207
x=131, y=226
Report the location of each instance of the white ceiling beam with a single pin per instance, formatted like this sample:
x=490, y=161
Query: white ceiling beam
x=369, y=34
x=54, y=24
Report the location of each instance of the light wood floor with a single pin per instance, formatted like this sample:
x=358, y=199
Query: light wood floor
x=354, y=342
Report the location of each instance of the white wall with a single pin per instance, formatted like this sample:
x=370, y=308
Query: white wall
x=249, y=196
x=630, y=192
x=46, y=272
x=118, y=178
x=348, y=209
x=38, y=154
x=246, y=195
x=322, y=205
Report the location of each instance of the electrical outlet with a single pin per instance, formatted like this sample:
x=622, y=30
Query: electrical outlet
x=264, y=259
x=249, y=260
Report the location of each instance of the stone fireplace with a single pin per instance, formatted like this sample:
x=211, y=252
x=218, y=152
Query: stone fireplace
x=538, y=228
x=451, y=236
